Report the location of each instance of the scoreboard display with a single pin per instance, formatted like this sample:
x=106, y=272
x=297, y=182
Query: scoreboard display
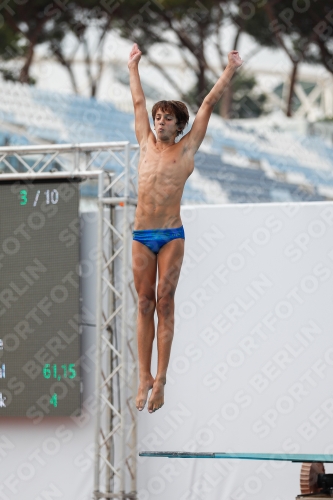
x=39, y=299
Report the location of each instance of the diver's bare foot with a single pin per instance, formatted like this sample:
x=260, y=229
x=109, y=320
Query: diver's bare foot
x=156, y=400
x=144, y=387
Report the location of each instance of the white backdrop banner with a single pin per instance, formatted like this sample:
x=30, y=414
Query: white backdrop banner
x=252, y=359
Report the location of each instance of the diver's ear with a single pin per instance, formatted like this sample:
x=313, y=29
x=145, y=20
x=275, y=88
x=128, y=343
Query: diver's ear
x=181, y=127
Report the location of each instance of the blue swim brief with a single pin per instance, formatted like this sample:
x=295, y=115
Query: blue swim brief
x=155, y=239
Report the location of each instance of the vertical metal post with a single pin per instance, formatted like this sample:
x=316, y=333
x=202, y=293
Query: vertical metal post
x=132, y=348
x=109, y=413
x=133, y=437
x=77, y=158
x=124, y=337
x=99, y=317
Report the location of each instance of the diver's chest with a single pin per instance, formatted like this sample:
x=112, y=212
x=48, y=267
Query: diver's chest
x=163, y=173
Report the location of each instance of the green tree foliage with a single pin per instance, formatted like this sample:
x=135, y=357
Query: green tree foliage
x=194, y=28
x=76, y=22
x=8, y=42
x=27, y=24
x=11, y=47
x=30, y=24
x=302, y=29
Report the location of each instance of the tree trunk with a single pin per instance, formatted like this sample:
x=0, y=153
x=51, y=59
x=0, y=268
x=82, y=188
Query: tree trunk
x=66, y=64
x=72, y=78
x=202, y=89
x=24, y=73
x=32, y=38
x=291, y=88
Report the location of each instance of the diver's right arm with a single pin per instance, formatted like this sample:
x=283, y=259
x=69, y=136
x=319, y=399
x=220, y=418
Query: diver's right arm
x=142, y=126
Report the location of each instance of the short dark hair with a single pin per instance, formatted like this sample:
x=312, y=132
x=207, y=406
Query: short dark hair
x=176, y=108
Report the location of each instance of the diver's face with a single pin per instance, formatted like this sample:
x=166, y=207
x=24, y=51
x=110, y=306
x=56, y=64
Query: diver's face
x=165, y=125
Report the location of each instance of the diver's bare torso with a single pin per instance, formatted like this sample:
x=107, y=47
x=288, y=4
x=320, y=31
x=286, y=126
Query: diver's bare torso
x=163, y=171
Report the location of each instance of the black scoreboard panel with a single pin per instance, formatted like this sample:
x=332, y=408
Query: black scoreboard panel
x=39, y=299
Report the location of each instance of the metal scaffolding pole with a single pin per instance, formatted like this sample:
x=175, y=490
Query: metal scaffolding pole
x=114, y=165
x=124, y=368
x=117, y=329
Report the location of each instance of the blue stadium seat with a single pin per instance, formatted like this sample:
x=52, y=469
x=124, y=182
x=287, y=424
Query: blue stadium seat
x=233, y=162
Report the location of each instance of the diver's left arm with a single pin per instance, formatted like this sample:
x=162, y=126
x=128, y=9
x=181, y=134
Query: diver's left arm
x=199, y=127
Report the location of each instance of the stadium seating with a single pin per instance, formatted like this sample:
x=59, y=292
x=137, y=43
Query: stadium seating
x=234, y=164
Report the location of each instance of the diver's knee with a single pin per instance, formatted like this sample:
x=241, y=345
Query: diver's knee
x=165, y=305
x=146, y=305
